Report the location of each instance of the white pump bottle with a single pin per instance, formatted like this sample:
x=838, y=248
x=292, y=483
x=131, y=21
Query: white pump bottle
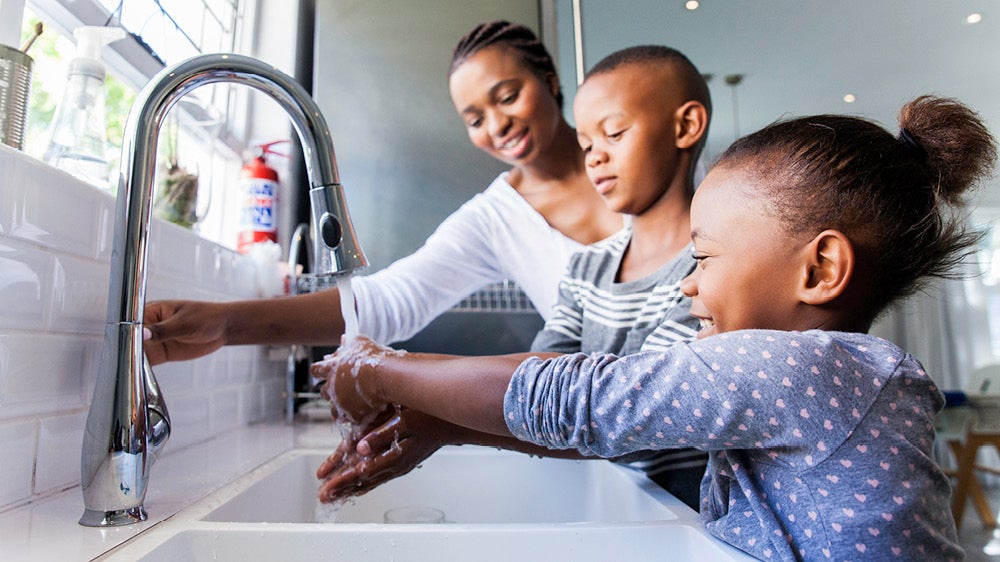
x=78, y=141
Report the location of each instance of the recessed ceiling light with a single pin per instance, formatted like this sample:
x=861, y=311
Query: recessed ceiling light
x=691, y=4
x=973, y=18
x=849, y=98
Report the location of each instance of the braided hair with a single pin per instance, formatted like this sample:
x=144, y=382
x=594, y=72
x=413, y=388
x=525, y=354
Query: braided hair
x=516, y=38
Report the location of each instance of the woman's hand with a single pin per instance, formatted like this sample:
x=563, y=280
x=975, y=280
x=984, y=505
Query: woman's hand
x=386, y=451
x=181, y=330
x=351, y=379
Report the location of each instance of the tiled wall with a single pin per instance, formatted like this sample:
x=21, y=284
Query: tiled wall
x=55, y=238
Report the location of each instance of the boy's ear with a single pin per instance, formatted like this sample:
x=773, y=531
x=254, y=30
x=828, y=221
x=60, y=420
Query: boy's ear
x=692, y=122
x=829, y=267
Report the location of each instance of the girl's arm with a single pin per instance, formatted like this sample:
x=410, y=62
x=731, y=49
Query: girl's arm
x=753, y=389
x=363, y=378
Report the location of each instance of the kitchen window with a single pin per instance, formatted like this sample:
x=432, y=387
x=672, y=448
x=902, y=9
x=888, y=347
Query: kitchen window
x=206, y=130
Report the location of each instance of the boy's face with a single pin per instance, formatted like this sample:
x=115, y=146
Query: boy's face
x=508, y=112
x=625, y=124
x=748, y=265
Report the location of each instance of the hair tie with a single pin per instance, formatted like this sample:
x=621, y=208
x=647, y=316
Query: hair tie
x=912, y=144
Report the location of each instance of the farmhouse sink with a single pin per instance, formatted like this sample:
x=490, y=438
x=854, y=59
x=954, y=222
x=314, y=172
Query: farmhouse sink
x=473, y=485
x=496, y=505
x=402, y=544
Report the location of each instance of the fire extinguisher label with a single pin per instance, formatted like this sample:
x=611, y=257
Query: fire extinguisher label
x=258, y=205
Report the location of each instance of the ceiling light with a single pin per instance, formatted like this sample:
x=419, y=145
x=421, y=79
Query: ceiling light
x=973, y=18
x=849, y=98
x=691, y=4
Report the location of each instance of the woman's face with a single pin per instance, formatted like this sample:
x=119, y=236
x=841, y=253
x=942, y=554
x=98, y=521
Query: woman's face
x=508, y=111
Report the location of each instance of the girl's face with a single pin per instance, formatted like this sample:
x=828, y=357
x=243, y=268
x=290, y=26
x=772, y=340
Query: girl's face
x=508, y=111
x=749, y=267
x=626, y=128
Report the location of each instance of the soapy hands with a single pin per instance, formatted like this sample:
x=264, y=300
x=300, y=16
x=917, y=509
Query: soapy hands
x=351, y=385
x=385, y=441
x=396, y=443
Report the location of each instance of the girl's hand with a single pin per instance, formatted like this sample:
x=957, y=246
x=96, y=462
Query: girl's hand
x=387, y=451
x=351, y=384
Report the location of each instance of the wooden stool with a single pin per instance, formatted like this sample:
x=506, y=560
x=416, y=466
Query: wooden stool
x=967, y=484
x=966, y=430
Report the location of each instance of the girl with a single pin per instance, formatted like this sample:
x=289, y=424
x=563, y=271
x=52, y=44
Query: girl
x=820, y=435
x=523, y=227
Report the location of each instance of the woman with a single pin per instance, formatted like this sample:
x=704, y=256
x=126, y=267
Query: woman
x=523, y=227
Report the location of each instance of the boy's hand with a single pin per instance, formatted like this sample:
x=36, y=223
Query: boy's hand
x=350, y=380
x=181, y=330
x=386, y=451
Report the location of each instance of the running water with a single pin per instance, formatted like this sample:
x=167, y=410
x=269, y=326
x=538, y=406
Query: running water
x=355, y=353
x=347, y=307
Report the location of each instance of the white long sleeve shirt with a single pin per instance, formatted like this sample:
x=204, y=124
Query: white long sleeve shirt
x=494, y=236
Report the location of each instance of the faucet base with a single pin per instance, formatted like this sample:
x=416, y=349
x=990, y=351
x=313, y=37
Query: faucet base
x=94, y=518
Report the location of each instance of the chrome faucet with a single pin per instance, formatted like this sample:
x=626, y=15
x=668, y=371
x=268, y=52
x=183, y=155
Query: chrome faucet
x=128, y=423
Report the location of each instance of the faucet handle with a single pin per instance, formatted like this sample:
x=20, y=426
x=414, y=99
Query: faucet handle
x=335, y=245
x=159, y=417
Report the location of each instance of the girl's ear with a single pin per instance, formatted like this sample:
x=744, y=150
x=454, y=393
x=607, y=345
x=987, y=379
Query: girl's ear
x=829, y=262
x=692, y=122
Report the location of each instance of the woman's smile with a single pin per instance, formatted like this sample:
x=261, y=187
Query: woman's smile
x=514, y=146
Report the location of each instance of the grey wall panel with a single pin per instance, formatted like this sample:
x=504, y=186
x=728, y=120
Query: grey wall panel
x=381, y=81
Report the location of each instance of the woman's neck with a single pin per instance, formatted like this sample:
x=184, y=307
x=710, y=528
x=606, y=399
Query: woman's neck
x=561, y=162
x=556, y=186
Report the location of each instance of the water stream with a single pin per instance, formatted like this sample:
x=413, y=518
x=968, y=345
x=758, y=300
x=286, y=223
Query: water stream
x=347, y=307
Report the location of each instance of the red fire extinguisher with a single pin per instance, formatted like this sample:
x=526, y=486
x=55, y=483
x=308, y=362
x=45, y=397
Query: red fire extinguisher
x=259, y=199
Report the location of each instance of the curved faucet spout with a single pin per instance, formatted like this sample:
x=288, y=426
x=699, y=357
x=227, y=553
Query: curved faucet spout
x=128, y=422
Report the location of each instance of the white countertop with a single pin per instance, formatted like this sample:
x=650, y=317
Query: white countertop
x=47, y=529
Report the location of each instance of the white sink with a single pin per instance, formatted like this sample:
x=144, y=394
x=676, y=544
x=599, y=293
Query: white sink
x=474, y=485
x=498, y=505
x=408, y=543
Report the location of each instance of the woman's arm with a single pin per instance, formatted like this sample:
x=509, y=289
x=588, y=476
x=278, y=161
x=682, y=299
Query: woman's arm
x=180, y=329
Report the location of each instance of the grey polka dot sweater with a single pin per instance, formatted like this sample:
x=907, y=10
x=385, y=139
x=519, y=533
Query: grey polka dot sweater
x=820, y=442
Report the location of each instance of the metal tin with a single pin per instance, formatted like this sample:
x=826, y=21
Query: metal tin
x=15, y=84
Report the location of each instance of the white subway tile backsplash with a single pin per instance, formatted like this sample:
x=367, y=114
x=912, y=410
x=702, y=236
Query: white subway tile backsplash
x=160, y=288
x=173, y=251
x=271, y=397
x=26, y=278
x=175, y=378
x=224, y=409
x=242, y=360
x=43, y=373
x=13, y=176
x=79, y=296
x=59, y=441
x=211, y=371
x=189, y=418
x=55, y=247
x=54, y=210
x=18, y=441
x=244, y=277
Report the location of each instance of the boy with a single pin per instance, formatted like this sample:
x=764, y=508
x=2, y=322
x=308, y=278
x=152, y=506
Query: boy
x=642, y=115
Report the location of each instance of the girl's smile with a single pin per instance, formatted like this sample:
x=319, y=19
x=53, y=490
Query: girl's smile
x=749, y=268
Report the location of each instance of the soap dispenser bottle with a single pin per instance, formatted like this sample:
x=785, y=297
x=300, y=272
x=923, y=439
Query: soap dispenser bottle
x=78, y=138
